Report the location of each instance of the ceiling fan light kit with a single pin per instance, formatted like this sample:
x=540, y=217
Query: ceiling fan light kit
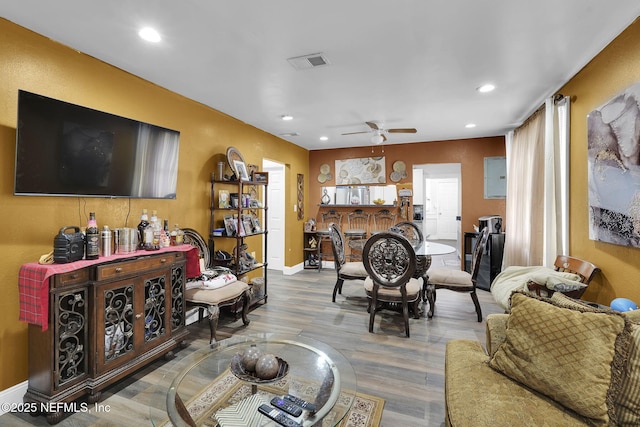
x=378, y=138
x=379, y=132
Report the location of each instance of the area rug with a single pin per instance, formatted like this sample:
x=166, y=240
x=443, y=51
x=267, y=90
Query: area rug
x=366, y=410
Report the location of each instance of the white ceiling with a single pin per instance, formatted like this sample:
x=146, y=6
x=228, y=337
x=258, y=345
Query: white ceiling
x=406, y=63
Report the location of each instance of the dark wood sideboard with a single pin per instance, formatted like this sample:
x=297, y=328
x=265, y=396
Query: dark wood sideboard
x=105, y=320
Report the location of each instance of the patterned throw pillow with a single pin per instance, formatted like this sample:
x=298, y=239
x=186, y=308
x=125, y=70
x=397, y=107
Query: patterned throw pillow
x=568, y=355
x=627, y=404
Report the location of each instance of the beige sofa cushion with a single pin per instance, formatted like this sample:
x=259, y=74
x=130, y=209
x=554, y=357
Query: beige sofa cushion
x=476, y=395
x=496, y=331
x=564, y=354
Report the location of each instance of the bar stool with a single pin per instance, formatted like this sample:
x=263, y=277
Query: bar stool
x=356, y=233
x=324, y=234
x=383, y=220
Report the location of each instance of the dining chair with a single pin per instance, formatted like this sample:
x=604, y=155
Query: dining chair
x=458, y=280
x=356, y=232
x=383, y=220
x=390, y=260
x=324, y=234
x=413, y=233
x=409, y=230
x=344, y=270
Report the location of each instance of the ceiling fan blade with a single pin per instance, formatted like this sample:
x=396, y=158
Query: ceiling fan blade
x=373, y=125
x=402, y=130
x=384, y=138
x=353, y=133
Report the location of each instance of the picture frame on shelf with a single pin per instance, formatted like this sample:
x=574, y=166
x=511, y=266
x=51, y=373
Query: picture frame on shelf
x=256, y=224
x=261, y=177
x=247, y=221
x=224, y=199
x=230, y=226
x=241, y=170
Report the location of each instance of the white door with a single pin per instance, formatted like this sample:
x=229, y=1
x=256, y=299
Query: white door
x=447, y=208
x=275, y=215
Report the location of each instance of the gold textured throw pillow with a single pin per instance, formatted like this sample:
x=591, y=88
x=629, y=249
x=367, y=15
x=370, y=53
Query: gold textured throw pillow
x=628, y=400
x=564, y=354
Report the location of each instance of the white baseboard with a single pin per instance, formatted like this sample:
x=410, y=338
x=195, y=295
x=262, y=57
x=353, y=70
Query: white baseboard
x=288, y=271
x=13, y=395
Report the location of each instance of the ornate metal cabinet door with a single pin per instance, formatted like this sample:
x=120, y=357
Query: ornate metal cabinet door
x=71, y=350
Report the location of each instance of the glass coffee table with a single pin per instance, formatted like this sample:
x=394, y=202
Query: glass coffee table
x=211, y=388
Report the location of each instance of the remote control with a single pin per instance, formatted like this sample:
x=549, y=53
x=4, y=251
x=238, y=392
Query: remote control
x=301, y=403
x=278, y=416
x=286, y=406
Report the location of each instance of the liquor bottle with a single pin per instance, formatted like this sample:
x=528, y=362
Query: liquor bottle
x=164, y=237
x=177, y=236
x=144, y=223
x=93, y=238
x=153, y=233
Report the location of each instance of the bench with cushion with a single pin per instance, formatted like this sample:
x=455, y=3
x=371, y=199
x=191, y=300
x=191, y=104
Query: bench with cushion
x=213, y=299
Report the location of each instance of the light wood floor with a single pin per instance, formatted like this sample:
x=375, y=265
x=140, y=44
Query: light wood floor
x=407, y=372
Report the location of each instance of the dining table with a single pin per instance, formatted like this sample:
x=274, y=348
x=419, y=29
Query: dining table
x=424, y=251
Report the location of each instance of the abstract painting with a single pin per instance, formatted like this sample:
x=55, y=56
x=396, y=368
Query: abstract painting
x=614, y=169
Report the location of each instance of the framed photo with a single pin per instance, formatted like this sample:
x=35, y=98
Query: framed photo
x=247, y=222
x=256, y=224
x=241, y=170
x=262, y=177
x=230, y=225
x=224, y=199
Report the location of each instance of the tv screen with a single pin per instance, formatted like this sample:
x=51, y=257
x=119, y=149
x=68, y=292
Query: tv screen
x=64, y=149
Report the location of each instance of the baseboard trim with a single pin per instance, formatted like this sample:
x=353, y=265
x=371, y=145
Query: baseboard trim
x=288, y=271
x=12, y=395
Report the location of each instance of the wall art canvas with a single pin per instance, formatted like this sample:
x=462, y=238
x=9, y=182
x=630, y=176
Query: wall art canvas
x=614, y=169
x=366, y=170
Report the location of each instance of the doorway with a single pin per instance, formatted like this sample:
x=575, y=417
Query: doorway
x=437, y=190
x=275, y=214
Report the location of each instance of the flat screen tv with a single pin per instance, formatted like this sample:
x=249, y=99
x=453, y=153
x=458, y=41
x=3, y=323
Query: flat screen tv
x=64, y=149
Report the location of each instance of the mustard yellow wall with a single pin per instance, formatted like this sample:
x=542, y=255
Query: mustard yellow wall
x=613, y=70
x=31, y=62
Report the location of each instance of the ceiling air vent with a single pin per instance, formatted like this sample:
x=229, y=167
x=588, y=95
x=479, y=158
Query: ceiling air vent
x=308, y=61
x=289, y=134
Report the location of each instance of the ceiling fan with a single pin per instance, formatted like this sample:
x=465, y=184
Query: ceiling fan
x=379, y=131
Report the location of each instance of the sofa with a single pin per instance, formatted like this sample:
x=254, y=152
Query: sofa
x=549, y=362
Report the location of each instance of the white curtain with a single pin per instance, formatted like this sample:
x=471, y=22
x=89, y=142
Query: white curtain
x=525, y=185
x=556, y=180
x=537, y=187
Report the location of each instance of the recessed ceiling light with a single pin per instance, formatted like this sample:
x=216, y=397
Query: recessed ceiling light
x=149, y=34
x=486, y=88
x=324, y=138
x=287, y=117
x=470, y=125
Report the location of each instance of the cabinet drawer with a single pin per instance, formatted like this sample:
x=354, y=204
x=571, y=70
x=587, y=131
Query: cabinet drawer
x=126, y=268
x=71, y=278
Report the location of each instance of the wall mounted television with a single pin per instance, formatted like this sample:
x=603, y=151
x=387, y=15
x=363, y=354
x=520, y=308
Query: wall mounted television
x=63, y=149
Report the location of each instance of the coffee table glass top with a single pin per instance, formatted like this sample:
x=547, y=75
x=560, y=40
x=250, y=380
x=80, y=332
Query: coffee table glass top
x=206, y=391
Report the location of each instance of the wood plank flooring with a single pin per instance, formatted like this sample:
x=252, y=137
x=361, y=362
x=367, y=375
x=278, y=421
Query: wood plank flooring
x=407, y=372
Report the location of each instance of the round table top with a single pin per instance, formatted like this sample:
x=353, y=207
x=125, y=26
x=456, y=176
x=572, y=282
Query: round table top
x=433, y=248
x=207, y=387
x=426, y=248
